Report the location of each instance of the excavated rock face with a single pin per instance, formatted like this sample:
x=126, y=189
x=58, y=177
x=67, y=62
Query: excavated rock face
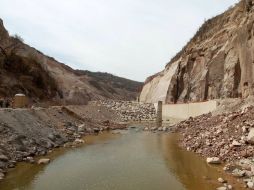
x=218, y=62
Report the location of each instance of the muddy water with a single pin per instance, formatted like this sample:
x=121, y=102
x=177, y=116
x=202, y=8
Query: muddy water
x=131, y=161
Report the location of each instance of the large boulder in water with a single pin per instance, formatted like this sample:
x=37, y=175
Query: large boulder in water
x=44, y=161
x=213, y=160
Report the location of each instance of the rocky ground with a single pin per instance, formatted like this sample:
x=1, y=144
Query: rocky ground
x=131, y=111
x=27, y=133
x=221, y=138
x=225, y=138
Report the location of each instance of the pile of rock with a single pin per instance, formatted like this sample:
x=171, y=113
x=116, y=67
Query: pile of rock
x=227, y=137
x=225, y=186
x=15, y=147
x=131, y=111
x=244, y=169
x=22, y=142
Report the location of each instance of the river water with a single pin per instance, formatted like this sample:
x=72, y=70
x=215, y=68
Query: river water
x=129, y=161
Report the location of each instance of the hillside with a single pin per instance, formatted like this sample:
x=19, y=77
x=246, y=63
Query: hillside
x=112, y=85
x=24, y=69
x=216, y=63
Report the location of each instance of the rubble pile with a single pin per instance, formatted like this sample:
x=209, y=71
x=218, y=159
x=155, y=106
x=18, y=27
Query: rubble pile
x=223, y=138
x=131, y=111
x=28, y=133
x=227, y=136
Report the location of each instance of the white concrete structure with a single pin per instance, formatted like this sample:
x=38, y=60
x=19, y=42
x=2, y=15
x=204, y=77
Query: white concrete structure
x=184, y=111
x=157, y=89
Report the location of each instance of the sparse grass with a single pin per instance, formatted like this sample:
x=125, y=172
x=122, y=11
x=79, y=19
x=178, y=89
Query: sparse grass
x=113, y=81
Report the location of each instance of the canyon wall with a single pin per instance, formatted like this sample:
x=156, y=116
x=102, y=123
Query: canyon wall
x=218, y=62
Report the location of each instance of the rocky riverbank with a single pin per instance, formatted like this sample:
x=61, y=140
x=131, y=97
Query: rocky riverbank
x=227, y=138
x=27, y=133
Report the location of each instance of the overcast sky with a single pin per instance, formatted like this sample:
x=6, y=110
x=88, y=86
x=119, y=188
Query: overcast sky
x=129, y=38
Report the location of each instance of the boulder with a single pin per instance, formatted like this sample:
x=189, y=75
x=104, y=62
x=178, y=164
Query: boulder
x=221, y=180
x=245, y=129
x=51, y=137
x=213, y=160
x=238, y=173
x=81, y=128
x=222, y=188
x=44, y=161
x=4, y=158
x=79, y=141
x=30, y=159
x=1, y=176
x=236, y=143
x=250, y=185
x=250, y=137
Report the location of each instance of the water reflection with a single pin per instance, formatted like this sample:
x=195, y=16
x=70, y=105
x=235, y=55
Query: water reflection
x=193, y=171
x=131, y=161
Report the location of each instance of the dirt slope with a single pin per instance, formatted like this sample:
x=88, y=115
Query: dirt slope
x=24, y=69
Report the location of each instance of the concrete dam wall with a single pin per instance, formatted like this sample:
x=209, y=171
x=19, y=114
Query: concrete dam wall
x=184, y=111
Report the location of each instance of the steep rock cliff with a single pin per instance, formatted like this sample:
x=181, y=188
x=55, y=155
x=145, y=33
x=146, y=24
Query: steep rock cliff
x=218, y=62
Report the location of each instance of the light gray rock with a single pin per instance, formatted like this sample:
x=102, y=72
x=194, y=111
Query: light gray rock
x=250, y=137
x=221, y=180
x=226, y=168
x=238, y=173
x=44, y=161
x=51, y=137
x=213, y=160
x=79, y=141
x=222, y=188
x=81, y=128
x=236, y=143
x=1, y=176
x=30, y=159
x=250, y=184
